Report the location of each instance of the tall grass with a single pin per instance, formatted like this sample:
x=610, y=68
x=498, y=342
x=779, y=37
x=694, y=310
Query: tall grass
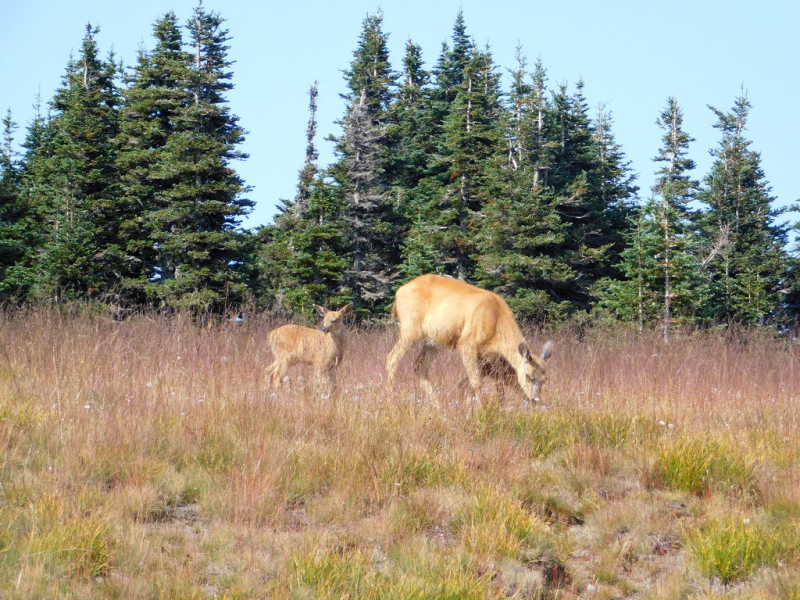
x=150, y=458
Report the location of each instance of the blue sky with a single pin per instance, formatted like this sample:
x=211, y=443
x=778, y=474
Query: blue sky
x=632, y=55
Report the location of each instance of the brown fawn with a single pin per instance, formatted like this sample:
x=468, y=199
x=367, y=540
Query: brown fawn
x=295, y=344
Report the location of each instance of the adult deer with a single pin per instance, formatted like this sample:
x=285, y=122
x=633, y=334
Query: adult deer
x=448, y=313
x=295, y=344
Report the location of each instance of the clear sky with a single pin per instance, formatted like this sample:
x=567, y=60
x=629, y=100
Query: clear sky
x=631, y=54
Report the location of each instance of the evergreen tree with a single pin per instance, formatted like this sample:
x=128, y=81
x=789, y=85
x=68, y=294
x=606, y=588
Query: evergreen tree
x=521, y=229
x=11, y=211
x=305, y=259
x=415, y=137
x=593, y=187
x=788, y=317
x=302, y=260
x=361, y=171
x=632, y=298
x=682, y=291
x=410, y=132
x=745, y=259
x=661, y=263
x=27, y=211
x=370, y=78
x=366, y=211
x=199, y=205
x=69, y=180
x=155, y=101
x=9, y=169
x=448, y=204
x=309, y=171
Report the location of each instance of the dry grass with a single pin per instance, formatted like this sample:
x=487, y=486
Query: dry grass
x=151, y=459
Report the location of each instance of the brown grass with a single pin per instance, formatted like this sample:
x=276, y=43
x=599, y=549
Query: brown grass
x=150, y=458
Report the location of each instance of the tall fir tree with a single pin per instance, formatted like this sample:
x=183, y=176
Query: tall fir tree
x=303, y=255
x=21, y=275
x=593, y=189
x=309, y=170
x=465, y=102
x=521, y=229
x=155, y=100
x=745, y=258
x=682, y=290
x=12, y=212
x=517, y=246
x=661, y=262
x=361, y=171
x=70, y=184
x=200, y=203
x=409, y=136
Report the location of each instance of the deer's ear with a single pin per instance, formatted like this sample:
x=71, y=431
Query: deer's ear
x=347, y=309
x=525, y=351
x=320, y=309
x=547, y=350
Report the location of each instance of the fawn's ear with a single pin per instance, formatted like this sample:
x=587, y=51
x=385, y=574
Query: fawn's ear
x=320, y=309
x=525, y=351
x=346, y=309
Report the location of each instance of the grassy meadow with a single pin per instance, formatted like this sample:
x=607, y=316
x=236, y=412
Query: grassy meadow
x=150, y=459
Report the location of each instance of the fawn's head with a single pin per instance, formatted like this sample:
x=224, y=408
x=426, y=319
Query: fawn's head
x=332, y=320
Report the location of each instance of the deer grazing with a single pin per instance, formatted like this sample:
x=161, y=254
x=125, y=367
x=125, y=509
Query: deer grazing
x=295, y=344
x=447, y=313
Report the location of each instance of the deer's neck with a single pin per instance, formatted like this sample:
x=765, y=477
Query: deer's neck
x=336, y=338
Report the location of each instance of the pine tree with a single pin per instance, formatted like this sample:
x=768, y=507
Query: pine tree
x=309, y=171
x=788, y=317
x=11, y=211
x=661, y=261
x=410, y=130
x=199, y=204
x=682, y=291
x=631, y=298
x=587, y=181
x=467, y=140
x=28, y=234
x=745, y=258
x=302, y=259
x=70, y=180
x=368, y=232
x=520, y=228
x=361, y=171
x=155, y=101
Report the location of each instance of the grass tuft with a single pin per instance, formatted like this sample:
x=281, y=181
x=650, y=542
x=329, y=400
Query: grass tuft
x=729, y=548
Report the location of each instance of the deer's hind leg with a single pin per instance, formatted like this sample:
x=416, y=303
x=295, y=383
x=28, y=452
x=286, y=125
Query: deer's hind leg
x=277, y=371
x=401, y=348
x=423, y=364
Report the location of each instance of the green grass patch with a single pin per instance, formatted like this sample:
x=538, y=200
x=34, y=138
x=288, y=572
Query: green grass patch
x=335, y=573
x=732, y=547
x=491, y=524
x=701, y=466
x=78, y=548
